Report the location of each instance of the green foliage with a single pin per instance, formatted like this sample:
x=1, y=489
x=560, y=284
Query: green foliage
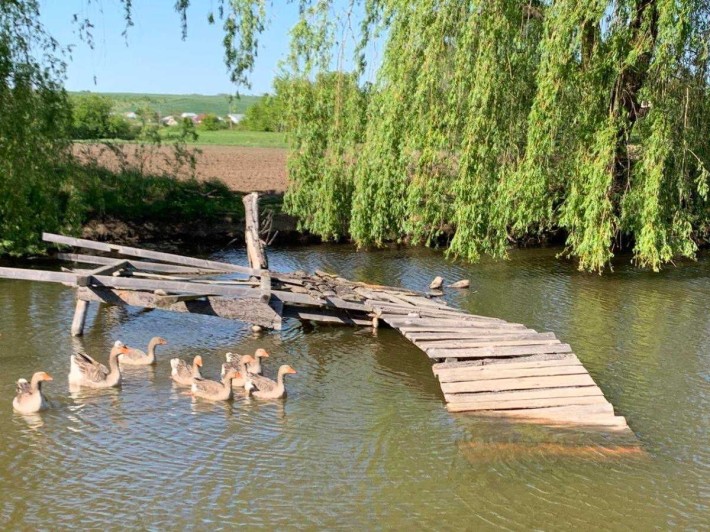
x=268, y=114
x=34, y=123
x=210, y=122
x=93, y=118
x=503, y=120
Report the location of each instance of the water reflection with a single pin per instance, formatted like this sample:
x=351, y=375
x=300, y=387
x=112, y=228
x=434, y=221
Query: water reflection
x=363, y=438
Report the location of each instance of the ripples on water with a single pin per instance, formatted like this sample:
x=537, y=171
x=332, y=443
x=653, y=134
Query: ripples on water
x=363, y=437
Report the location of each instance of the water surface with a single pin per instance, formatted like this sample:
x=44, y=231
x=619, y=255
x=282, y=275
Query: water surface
x=363, y=438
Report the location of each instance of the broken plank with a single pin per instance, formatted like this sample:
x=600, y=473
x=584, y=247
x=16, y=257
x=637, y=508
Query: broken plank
x=520, y=383
x=250, y=310
x=106, y=269
x=527, y=403
x=490, y=352
x=21, y=274
x=326, y=316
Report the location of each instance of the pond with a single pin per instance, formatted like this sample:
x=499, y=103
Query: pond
x=363, y=438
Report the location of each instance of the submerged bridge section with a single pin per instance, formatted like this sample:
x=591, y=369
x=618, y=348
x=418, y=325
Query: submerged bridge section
x=485, y=365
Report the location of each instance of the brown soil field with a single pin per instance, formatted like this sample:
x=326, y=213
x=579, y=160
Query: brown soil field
x=242, y=169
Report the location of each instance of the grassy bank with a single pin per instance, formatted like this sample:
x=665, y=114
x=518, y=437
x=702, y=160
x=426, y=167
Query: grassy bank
x=231, y=137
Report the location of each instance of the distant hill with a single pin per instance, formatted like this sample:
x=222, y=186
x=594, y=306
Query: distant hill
x=170, y=104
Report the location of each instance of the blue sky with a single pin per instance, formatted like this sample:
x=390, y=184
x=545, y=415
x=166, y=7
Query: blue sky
x=155, y=59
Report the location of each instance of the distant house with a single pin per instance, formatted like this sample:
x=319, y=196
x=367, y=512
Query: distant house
x=199, y=118
x=192, y=116
x=131, y=115
x=169, y=121
x=235, y=118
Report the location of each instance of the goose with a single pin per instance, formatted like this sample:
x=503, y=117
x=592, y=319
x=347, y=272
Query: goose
x=263, y=388
x=233, y=361
x=213, y=390
x=29, y=398
x=182, y=373
x=136, y=357
x=85, y=371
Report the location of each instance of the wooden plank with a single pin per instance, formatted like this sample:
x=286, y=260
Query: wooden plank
x=470, y=327
x=400, y=321
x=495, y=342
x=250, y=310
x=106, y=269
x=137, y=264
x=521, y=383
x=527, y=403
x=527, y=359
x=521, y=395
x=515, y=334
x=446, y=367
x=147, y=254
x=419, y=311
x=505, y=373
x=326, y=316
x=22, y=274
x=491, y=352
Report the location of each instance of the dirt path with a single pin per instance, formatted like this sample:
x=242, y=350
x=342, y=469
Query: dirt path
x=242, y=169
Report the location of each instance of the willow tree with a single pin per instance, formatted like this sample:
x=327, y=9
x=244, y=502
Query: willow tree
x=33, y=123
x=504, y=119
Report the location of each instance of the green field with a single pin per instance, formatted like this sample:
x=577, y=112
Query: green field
x=234, y=137
x=174, y=104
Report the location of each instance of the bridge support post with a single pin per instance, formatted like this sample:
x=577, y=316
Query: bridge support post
x=77, y=325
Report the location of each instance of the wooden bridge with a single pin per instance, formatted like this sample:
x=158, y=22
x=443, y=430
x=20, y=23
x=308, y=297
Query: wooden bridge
x=485, y=365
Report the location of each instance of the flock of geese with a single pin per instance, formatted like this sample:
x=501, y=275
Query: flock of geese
x=239, y=371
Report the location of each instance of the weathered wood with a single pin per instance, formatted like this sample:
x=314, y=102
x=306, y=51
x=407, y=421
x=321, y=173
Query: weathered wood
x=265, y=286
x=495, y=342
x=527, y=403
x=515, y=334
x=255, y=247
x=521, y=395
x=401, y=310
x=401, y=321
x=165, y=301
x=106, y=269
x=326, y=316
x=471, y=327
x=543, y=357
x=148, y=254
x=462, y=368
x=21, y=274
x=503, y=373
x=250, y=310
x=565, y=412
x=137, y=264
x=489, y=352
x=521, y=383
x=77, y=324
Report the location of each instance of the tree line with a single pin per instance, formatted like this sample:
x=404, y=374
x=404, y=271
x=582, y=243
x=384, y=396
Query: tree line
x=486, y=122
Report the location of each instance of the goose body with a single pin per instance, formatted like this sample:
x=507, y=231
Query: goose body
x=85, y=371
x=214, y=390
x=182, y=373
x=264, y=388
x=234, y=361
x=136, y=357
x=29, y=398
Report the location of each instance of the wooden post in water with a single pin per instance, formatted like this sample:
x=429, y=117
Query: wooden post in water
x=77, y=325
x=255, y=247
